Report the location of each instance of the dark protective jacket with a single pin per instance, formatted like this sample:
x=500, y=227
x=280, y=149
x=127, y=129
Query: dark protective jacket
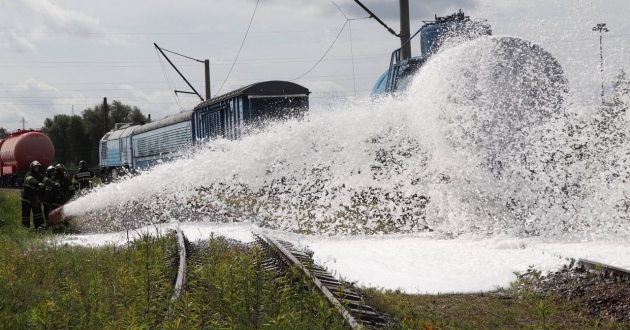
x=31, y=189
x=82, y=178
x=65, y=191
x=48, y=194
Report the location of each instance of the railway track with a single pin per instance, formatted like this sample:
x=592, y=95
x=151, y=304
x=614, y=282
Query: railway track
x=605, y=269
x=283, y=255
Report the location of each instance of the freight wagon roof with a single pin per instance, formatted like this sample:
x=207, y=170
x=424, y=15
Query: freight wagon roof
x=273, y=87
x=121, y=133
x=170, y=120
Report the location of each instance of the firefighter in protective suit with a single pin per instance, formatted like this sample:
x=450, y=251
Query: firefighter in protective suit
x=34, y=184
x=49, y=192
x=66, y=189
x=83, y=177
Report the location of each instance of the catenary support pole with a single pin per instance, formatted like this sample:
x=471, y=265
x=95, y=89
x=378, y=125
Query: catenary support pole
x=404, y=30
x=105, y=116
x=207, y=74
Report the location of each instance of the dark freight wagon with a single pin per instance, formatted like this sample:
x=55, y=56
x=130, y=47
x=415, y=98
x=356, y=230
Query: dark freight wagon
x=229, y=114
x=131, y=147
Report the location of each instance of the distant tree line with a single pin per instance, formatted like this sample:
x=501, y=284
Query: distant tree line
x=77, y=137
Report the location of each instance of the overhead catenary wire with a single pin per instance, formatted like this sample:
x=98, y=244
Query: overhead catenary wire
x=354, y=84
x=168, y=80
x=160, y=88
x=188, y=57
x=239, y=50
x=146, y=63
x=321, y=58
x=177, y=70
x=194, y=33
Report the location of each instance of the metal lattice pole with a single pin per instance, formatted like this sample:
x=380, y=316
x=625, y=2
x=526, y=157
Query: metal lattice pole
x=601, y=28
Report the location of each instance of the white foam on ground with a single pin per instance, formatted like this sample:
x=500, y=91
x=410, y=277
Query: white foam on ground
x=420, y=263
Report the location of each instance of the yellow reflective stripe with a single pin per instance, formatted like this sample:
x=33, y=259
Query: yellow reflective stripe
x=27, y=181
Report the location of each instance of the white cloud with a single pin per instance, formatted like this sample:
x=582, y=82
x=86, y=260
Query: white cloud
x=13, y=43
x=15, y=108
x=57, y=19
x=32, y=85
x=30, y=22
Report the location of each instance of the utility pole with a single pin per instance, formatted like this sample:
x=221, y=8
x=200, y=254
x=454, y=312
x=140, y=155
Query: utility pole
x=601, y=28
x=105, y=116
x=405, y=33
x=207, y=74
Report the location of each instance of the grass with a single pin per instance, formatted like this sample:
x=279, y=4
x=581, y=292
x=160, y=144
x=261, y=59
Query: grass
x=47, y=285
x=501, y=309
x=229, y=283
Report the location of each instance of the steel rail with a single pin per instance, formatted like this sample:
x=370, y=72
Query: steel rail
x=291, y=260
x=180, y=281
x=605, y=269
x=348, y=303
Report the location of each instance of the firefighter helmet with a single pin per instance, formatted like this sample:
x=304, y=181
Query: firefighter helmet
x=60, y=168
x=34, y=163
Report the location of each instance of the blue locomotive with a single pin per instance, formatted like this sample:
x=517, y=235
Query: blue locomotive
x=432, y=35
x=131, y=147
x=514, y=54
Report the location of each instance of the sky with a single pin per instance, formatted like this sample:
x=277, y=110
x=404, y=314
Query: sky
x=64, y=56
x=416, y=264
